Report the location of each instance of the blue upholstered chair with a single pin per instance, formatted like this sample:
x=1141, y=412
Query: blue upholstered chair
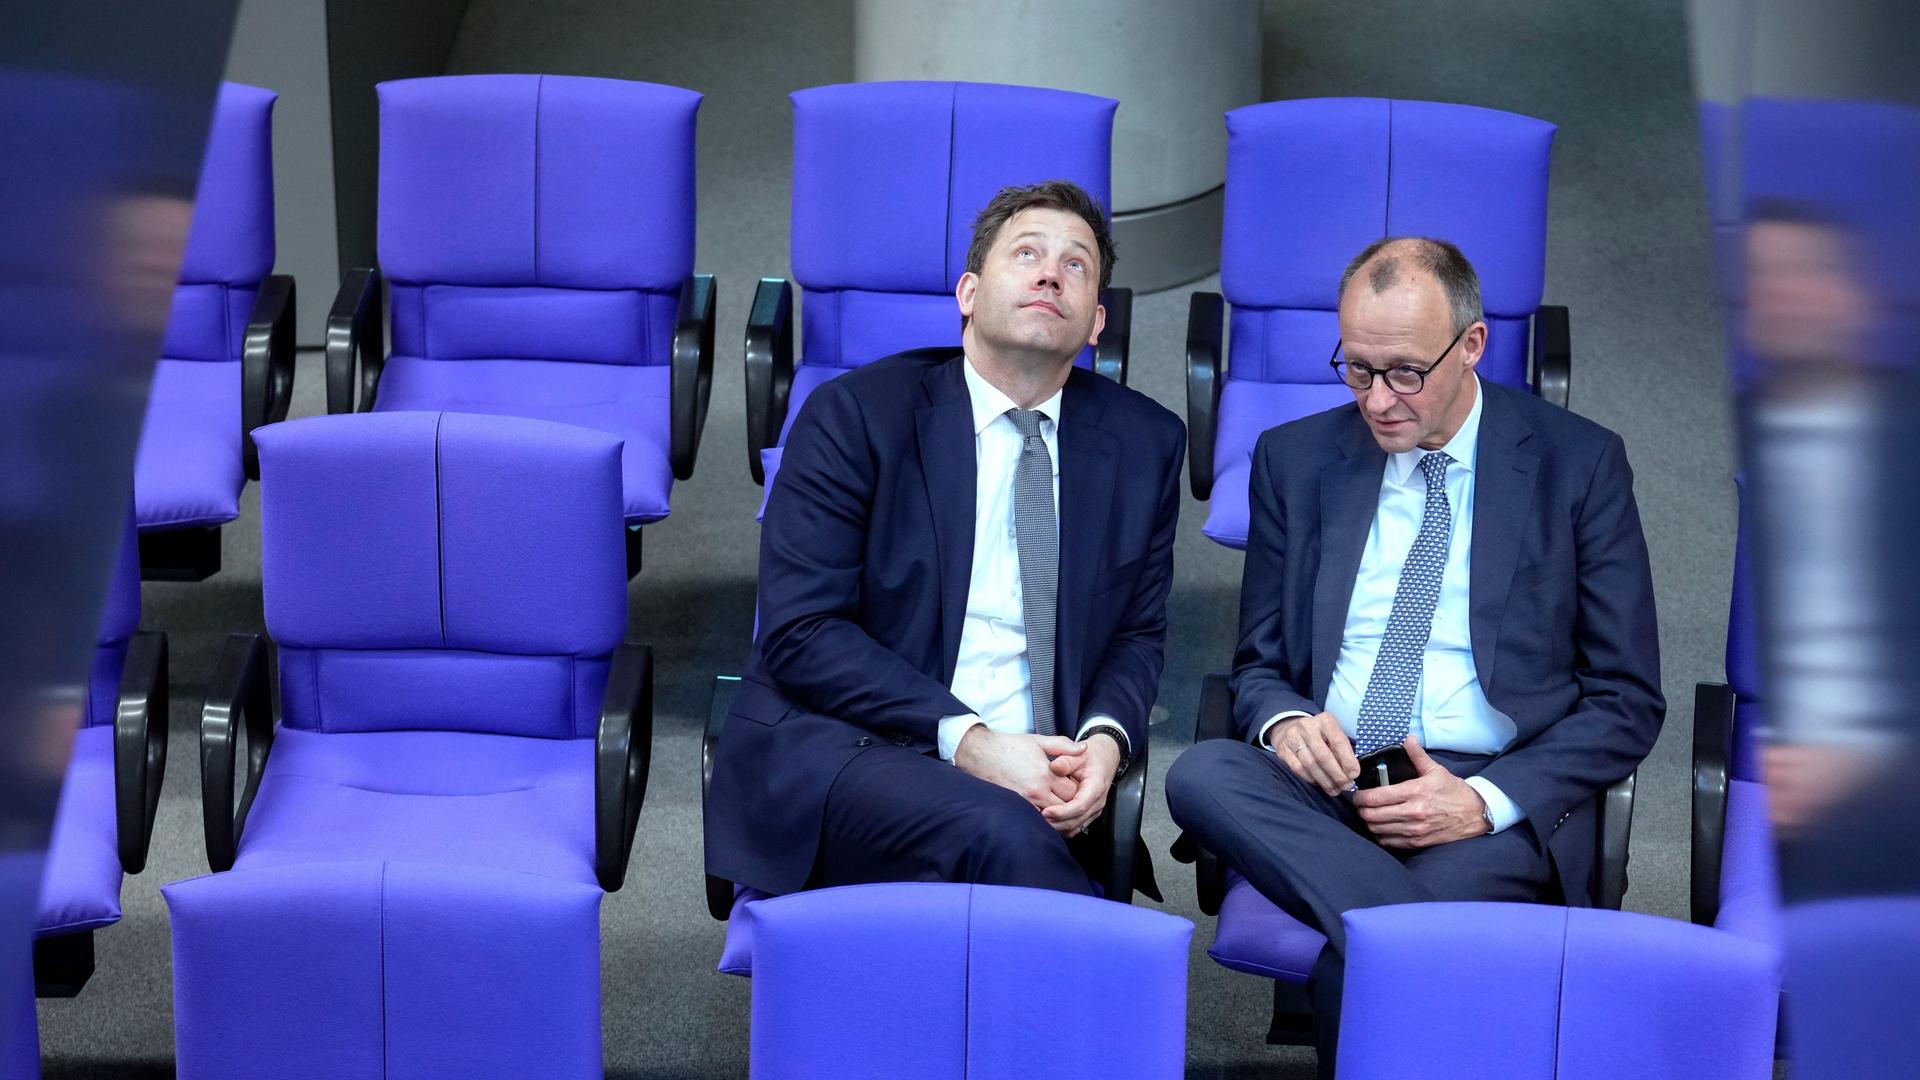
x=1537, y=992
x=536, y=234
x=111, y=788
x=887, y=179
x=226, y=366
x=422, y=841
x=922, y=980
x=1309, y=184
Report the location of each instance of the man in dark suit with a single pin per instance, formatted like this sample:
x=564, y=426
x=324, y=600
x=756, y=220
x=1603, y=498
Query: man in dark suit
x=1449, y=565
x=963, y=580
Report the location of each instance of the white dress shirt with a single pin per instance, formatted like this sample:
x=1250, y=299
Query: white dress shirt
x=991, y=676
x=1450, y=710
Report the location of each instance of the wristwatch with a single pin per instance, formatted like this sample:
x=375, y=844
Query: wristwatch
x=1119, y=737
x=1486, y=815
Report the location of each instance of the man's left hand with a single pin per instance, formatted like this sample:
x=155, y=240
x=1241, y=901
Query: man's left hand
x=1435, y=807
x=1092, y=771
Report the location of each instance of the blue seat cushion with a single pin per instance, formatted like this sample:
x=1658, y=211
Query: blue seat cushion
x=187, y=472
x=452, y=797
x=1248, y=408
x=1258, y=938
x=80, y=888
x=629, y=400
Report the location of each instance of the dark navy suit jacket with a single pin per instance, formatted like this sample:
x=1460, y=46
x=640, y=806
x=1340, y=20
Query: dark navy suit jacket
x=1561, y=597
x=866, y=553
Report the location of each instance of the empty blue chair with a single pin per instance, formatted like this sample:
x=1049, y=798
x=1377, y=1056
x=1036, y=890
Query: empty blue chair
x=887, y=179
x=1537, y=992
x=226, y=366
x=927, y=980
x=108, y=798
x=536, y=233
x=461, y=756
x=1309, y=184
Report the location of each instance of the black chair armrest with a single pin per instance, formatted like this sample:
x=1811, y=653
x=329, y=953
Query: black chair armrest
x=266, y=365
x=1614, y=829
x=719, y=890
x=140, y=746
x=1713, y=705
x=356, y=339
x=1126, y=810
x=692, y=377
x=240, y=695
x=622, y=754
x=769, y=368
x=1206, y=316
x=1552, y=355
x=1110, y=352
x=1214, y=720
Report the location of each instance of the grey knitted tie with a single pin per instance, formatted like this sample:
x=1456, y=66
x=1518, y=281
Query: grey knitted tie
x=1038, y=533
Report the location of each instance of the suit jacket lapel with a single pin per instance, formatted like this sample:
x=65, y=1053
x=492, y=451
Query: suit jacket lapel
x=1502, y=507
x=1089, y=467
x=1349, y=498
x=944, y=426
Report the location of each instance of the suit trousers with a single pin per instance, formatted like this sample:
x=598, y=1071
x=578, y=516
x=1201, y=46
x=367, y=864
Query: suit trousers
x=1313, y=857
x=894, y=814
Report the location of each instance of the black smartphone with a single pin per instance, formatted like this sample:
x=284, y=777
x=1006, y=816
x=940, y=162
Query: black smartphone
x=1387, y=765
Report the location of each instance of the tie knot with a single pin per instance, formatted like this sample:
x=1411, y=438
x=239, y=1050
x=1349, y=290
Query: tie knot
x=1435, y=466
x=1026, y=420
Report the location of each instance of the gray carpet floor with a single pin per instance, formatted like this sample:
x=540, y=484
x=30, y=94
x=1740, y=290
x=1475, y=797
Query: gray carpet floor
x=1628, y=254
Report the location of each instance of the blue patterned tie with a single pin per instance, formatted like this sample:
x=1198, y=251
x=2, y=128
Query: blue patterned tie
x=1386, y=710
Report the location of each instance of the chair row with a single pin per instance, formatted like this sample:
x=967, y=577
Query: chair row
x=448, y=775
x=536, y=239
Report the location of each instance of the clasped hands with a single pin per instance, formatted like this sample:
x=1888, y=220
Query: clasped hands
x=1066, y=781
x=1435, y=807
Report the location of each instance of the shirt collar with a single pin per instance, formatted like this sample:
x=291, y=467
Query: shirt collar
x=1461, y=448
x=990, y=404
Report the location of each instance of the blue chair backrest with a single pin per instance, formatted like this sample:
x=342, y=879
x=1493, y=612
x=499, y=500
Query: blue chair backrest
x=119, y=618
x=1312, y=182
x=535, y=217
x=442, y=571
x=229, y=248
x=887, y=180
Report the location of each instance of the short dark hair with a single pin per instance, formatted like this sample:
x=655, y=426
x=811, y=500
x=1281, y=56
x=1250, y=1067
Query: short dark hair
x=1047, y=195
x=1442, y=259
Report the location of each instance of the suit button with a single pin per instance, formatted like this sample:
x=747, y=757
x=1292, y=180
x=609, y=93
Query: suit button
x=902, y=740
x=864, y=741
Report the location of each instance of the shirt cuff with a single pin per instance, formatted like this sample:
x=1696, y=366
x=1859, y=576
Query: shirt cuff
x=1260, y=736
x=1108, y=723
x=1504, y=810
x=952, y=729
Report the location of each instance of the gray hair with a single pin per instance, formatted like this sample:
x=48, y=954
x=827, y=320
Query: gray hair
x=1434, y=256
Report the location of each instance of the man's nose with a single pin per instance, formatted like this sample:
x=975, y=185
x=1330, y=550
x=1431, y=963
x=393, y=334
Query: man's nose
x=1379, y=397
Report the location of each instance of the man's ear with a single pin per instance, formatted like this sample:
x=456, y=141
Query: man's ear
x=963, y=292
x=1099, y=323
x=1474, y=345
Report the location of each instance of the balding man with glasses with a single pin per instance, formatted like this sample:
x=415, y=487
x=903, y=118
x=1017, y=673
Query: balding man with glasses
x=1447, y=566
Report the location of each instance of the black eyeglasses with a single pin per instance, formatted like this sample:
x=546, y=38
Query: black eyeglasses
x=1401, y=379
